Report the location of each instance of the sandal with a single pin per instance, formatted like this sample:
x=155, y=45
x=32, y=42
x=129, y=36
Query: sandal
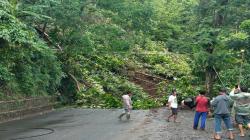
x=242, y=135
x=217, y=138
x=231, y=138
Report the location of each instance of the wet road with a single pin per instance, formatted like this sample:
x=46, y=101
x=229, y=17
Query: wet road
x=71, y=124
x=88, y=124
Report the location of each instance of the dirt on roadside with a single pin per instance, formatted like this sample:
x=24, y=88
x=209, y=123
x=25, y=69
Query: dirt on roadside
x=155, y=127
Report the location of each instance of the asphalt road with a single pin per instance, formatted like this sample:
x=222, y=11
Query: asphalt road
x=97, y=124
x=71, y=124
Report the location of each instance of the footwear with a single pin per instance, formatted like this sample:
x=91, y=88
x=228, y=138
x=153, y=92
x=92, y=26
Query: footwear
x=120, y=117
x=216, y=137
x=242, y=135
x=231, y=137
x=128, y=116
x=202, y=129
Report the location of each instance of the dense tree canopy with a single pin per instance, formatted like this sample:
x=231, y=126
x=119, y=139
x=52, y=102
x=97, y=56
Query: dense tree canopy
x=84, y=49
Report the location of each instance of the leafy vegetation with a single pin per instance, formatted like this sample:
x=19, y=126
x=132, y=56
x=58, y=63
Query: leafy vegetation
x=28, y=66
x=82, y=50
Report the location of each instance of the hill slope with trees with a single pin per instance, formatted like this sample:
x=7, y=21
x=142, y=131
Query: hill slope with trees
x=83, y=50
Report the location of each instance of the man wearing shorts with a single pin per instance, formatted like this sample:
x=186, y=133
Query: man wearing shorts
x=173, y=105
x=127, y=105
x=242, y=109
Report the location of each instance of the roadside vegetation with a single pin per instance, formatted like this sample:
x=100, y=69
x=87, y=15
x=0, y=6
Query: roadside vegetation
x=83, y=50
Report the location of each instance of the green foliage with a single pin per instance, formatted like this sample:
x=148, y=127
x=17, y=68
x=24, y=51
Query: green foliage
x=164, y=63
x=26, y=61
x=245, y=25
x=88, y=45
x=147, y=103
x=106, y=91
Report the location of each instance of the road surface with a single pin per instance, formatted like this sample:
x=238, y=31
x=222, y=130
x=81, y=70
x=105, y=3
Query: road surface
x=97, y=124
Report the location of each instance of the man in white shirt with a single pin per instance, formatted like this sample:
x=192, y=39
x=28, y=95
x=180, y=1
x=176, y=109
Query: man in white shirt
x=173, y=105
x=127, y=105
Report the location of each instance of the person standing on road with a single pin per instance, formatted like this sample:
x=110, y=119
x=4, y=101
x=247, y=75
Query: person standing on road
x=127, y=105
x=221, y=105
x=242, y=109
x=202, y=108
x=233, y=92
x=173, y=105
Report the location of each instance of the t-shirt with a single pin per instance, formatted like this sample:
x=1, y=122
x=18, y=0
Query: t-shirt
x=222, y=104
x=173, y=101
x=127, y=103
x=242, y=103
x=202, y=103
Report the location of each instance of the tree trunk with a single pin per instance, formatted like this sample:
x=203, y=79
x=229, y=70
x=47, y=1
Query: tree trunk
x=210, y=78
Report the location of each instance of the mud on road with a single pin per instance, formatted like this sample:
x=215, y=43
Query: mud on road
x=155, y=127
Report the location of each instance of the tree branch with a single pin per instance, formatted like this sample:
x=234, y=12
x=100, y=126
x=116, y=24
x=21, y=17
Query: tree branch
x=77, y=83
x=46, y=37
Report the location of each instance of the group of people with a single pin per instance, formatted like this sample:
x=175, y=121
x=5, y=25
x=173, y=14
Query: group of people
x=224, y=106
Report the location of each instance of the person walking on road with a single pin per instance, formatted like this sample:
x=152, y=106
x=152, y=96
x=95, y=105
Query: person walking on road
x=221, y=105
x=127, y=105
x=173, y=105
x=202, y=108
